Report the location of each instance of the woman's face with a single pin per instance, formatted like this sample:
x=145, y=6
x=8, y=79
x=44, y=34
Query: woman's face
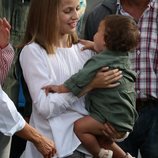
x=99, y=42
x=69, y=16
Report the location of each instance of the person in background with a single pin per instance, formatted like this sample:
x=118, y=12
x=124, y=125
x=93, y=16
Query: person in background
x=144, y=137
x=7, y=54
x=116, y=105
x=6, y=57
x=90, y=4
x=50, y=54
x=16, y=12
x=83, y=6
x=10, y=120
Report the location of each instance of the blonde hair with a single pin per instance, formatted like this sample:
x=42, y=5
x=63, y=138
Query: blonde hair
x=43, y=25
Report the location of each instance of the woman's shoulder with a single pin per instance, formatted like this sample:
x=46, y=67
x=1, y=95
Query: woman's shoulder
x=32, y=45
x=32, y=50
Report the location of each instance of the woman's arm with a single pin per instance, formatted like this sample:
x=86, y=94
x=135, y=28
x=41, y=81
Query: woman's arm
x=104, y=79
x=37, y=75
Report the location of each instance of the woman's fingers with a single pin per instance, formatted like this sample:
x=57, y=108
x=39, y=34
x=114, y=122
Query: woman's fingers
x=106, y=78
x=112, y=85
x=111, y=77
x=109, y=131
x=104, y=69
x=110, y=74
x=87, y=44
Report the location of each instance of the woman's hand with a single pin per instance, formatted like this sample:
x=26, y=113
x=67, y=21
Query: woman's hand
x=105, y=78
x=4, y=32
x=110, y=132
x=87, y=44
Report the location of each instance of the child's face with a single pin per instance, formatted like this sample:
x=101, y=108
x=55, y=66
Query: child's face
x=99, y=43
x=69, y=16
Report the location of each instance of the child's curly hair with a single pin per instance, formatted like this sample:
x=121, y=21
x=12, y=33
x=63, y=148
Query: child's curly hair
x=121, y=33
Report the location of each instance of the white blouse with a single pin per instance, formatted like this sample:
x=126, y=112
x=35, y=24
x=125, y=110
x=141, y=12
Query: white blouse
x=10, y=119
x=53, y=115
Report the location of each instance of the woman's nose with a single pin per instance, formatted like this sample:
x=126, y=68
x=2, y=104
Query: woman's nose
x=76, y=15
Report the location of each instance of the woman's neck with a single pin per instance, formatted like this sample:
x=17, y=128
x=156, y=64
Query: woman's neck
x=63, y=41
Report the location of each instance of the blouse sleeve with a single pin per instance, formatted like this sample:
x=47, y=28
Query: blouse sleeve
x=37, y=74
x=6, y=58
x=10, y=119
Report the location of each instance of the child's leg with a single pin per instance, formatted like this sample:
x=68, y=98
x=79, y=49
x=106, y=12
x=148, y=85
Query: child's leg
x=117, y=151
x=87, y=129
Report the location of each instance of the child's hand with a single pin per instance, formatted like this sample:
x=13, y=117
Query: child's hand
x=50, y=89
x=4, y=32
x=55, y=89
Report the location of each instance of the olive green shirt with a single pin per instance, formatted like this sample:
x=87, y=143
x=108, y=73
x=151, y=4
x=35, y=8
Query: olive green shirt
x=114, y=105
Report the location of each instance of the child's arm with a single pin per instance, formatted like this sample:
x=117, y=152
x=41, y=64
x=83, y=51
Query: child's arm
x=105, y=78
x=55, y=89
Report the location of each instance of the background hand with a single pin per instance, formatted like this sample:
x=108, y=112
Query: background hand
x=4, y=32
x=46, y=147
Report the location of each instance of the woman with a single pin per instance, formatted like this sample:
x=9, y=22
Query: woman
x=51, y=54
